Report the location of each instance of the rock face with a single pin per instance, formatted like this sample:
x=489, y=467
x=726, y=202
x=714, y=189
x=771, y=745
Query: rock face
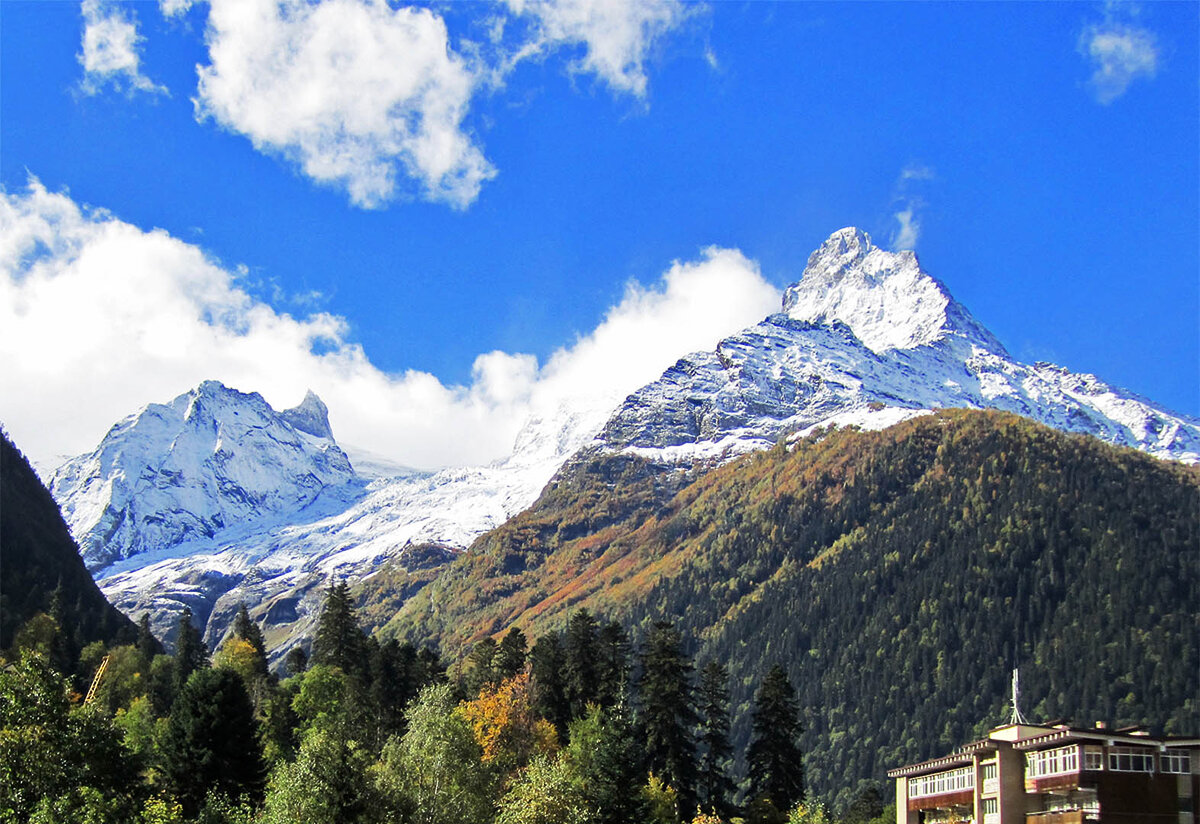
x=215, y=499
x=867, y=337
x=186, y=470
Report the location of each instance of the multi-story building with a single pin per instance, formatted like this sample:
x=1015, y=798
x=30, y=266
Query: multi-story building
x=1055, y=774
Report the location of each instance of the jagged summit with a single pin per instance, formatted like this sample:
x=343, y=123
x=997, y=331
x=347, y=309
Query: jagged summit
x=311, y=416
x=211, y=458
x=886, y=298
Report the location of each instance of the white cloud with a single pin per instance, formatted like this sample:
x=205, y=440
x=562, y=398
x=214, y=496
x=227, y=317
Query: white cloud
x=354, y=92
x=98, y=317
x=1119, y=54
x=916, y=171
x=909, y=230
x=174, y=8
x=111, y=51
x=617, y=35
x=908, y=224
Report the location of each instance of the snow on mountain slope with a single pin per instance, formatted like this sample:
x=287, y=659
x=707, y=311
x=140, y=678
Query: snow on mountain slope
x=868, y=329
x=211, y=458
x=280, y=567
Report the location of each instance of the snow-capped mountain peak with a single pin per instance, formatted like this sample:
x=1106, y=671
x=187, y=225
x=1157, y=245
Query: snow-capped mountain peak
x=208, y=459
x=886, y=298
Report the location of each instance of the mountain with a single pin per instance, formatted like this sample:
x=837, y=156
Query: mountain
x=39, y=562
x=210, y=459
x=868, y=337
x=188, y=503
x=897, y=575
x=280, y=561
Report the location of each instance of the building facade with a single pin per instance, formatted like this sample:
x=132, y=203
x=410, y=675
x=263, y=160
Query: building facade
x=1056, y=774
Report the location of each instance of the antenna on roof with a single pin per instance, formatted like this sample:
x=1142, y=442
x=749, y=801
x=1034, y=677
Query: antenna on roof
x=1017, y=717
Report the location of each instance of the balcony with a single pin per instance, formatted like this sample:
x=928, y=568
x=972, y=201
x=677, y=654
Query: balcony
x=1062, y=817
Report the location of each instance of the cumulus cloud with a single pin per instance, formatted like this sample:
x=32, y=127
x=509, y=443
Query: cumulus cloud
x=99, y=317
x=111, y=54
x=616, y=35
x=357, y=94
x=1119, y=54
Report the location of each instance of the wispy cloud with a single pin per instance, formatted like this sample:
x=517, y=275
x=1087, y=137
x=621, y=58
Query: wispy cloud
x=1118, y=52
x=159, y=316
x=616, y=35
x=111, y=51
x=909, y=230
x=908, y=203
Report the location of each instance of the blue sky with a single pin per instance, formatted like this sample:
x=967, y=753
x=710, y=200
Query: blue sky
x=392, y=192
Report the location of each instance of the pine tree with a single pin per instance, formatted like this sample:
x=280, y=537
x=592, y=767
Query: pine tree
x=580, y=662
x=776, y=769
x=248, y=631
x=546, y=661
x=296, y=661
x=147, y=644
x=211, y=741
x=481, y=667
x=607, y=756
x=612, y=672
x=190, y=652
x=510, y=657
x=715, y=788
x=667, y=712
x=339, y=641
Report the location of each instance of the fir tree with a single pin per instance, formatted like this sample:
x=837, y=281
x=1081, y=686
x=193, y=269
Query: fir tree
x=612, y=672
x=296, y=661
x=339, y=641
x=190, y=652
x=607, y=757
x=776, y=770
x=667, y=712
x=714, y=786
x=211, y=741
x=481, y=667
x=147, y=644
x=510, y=657
x=546, y=661
x=580, y=660
x=248, y=631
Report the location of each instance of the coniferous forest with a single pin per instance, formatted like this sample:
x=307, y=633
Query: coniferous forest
x=761, y=642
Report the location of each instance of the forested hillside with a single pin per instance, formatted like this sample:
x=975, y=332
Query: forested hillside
x=40, y=568
x=897, y=576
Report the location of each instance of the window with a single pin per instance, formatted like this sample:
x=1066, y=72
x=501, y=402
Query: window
x=1093, y=758
x=991, y=805
x=1130, y=759
x=951, y=781
x=1052, y=762
x=989, y=770
x=1179, y=763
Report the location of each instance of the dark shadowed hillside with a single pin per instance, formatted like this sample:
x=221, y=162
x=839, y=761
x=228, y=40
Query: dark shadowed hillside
x=898, y=576
x=38, y=558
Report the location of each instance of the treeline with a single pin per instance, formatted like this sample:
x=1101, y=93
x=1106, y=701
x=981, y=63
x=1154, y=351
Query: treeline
x=579, y=728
